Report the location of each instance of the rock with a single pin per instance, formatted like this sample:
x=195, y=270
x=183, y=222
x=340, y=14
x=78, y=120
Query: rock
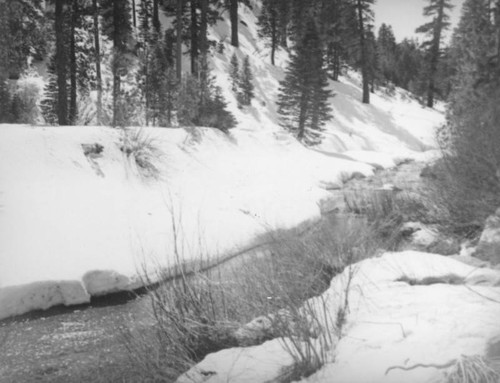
x=488, y=248
x=276, y=325
x=434, y=171
x=426, y=238
x=471, y=261
x=330, y=185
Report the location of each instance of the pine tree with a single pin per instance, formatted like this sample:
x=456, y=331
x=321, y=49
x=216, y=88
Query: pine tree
x=23, y=35
x=386, y=51
x=268, y=23
x=97, y=52
x=409, y=66
x=233, y=15
x=61, y=65
x=5, y=102
x=178, y=52
x=246, y=83
x=337, y=19
x=365, y=17
x=471, y=136
x=303, y=95
x=119, y=30
x=434, y=30
x=234, y=74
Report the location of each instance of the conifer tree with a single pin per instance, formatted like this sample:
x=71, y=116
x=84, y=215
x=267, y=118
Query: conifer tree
x=303, y=95
x=365, y=17
x=246, y=82
x=268, y=23
x=434, y=30
x=471, y=137
x=23, y=35
x=386, y=51
x=233, y=15
x=97, y=52
x=235, y=74
x=61, y=65
x=5, y=102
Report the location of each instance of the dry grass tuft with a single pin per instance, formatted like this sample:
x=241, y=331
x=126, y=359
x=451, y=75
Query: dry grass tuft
x=473, y=369
x=143, y=149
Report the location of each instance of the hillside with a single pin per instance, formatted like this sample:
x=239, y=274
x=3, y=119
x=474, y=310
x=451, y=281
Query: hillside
x=74, y=224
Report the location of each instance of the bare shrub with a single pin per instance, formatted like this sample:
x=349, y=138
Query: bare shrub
x=203, y=311
x=473, y=369
x=386, y=211
x=136, y=144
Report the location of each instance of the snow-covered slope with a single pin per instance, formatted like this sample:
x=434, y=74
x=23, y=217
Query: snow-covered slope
x=72, y=226
x=410, y=316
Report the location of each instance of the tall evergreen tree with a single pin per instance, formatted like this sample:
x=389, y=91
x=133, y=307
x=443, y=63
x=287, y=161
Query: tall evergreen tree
x=365, y=18
x=23, y=35
x=61, y=65
x=303, y=95
x=178, y=51
x=233, y=15
x=269, y=25
x=434, y=30
x=246, y=82
x=97, y=50
x=235, y=73
x=73, y=111
x=471, y=136
x=386, y=50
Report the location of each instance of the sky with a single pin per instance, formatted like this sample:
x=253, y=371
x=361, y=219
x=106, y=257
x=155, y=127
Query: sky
x=406, y=15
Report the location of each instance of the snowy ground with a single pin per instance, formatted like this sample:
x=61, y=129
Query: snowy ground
x=72, y=226
x=405, y=309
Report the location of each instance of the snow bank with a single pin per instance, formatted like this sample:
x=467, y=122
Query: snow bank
x=90, y=223
x=67, y=219
x=404, y=309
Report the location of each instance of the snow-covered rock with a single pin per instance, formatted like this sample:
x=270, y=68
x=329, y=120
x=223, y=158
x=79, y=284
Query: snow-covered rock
x=488, y=248
x=404, y=309
x=428, y=238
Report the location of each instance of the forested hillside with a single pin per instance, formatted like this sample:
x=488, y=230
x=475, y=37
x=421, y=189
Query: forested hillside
x=150, y=63
x=248, y=191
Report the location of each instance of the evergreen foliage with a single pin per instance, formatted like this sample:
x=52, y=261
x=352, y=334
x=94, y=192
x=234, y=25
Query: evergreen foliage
x=303, y=94
x=197, y=109
x=234, y=73
x=246, y=83
x=269, y=25
x=434, y=31
x=473, y=137
x=5, y=103
x=387, y=54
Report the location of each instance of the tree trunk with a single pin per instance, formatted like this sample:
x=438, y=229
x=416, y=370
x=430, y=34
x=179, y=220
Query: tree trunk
x=336, y=63
x=73, y=91
x=194, y=38
x=178, y=57
x=438, y=27
x=61, y=62
x=118, y=51
x=233, y=15
x=156, y=18
x=302, y=116
x=274, y=34
x=283, y=22
x=97, y=62
x=204, y=41
x=364, y=59
x=134, y=18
